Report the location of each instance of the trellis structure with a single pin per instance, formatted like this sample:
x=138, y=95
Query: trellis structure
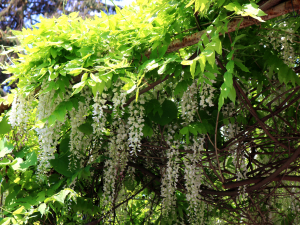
x=205, y=124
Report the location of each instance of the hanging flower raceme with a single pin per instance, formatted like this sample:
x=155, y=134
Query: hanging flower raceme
x=136, y=124
x=193, y=176
x=99, y=117
x=189, y=103
x=48, y=134
x=170, y=176
x=117, y=161
x=21, y=107
x=78, y=140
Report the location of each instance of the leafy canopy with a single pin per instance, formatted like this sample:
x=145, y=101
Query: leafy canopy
x=166, y=112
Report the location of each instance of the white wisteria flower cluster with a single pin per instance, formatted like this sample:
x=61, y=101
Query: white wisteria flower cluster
x=285, y=42
x=19, y=113
x=119, y=100
x=189, y=103
x=207, y=94
x=170, y=176
x=230, y=130
x=78, y=140
x=136, y=124
x=99, y=117
x=115, y=166
x=193, y=178
x=48, y=135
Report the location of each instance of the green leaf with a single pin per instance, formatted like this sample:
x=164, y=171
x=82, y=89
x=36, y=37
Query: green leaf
x=187, y=138
x=237, y=38
x=86, y=128
x=51, y=120
x=60, y=112
x=84, y=77
x=192, y=68
x=4, y=125
x=64, y=145
x=180, y=87
x=283, y=71
x=162, y=69
x=69, y=105
x=229, y=56
x=42, y=208
x=252, y=10
x=210, y=56
x=232, y=95
x=129, y=87
x=151, y=64
x=233, y=6
x=184, y=130
x=155, y=45
x=202, y=61
x=218, y=47
x=78, y=87
x=99, y=87
x=192, y=130
x=210, y=75
x=230, y=66
x=147, y=131
x=220, y=103
x=5, y=162
x=178, y=70
x=7, y=221
x=60, y=197
x=86, y=50
x=67, y=47
x=162, y=50
x=205, y=39
x=152, y=106
x=190, y=3
x=169, y=112
x=240, y=65
x=53, y=52
x=216, y=44
x=53, y=75
x=129, y=184
x=179, y=210
x=5, y=147
x=95, y=78
x=20, y=210
x=187, y=62
x=61, y=164
x=200, y=5
x=224, y=90
x=16, y=164
x=228, y=79
x=31, y=160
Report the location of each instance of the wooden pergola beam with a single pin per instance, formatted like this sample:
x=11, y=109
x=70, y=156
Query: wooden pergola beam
x=269, y=4
x=277, y=11
x=230, y=185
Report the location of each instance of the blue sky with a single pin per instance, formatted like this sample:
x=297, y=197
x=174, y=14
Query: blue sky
x=121, y=3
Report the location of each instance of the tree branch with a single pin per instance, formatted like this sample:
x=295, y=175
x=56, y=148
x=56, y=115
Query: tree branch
x=278, y=10
x=256, y=180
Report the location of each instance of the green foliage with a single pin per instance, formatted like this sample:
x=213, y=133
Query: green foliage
x=161, y=114
x=127, y=112
x=4, y=126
